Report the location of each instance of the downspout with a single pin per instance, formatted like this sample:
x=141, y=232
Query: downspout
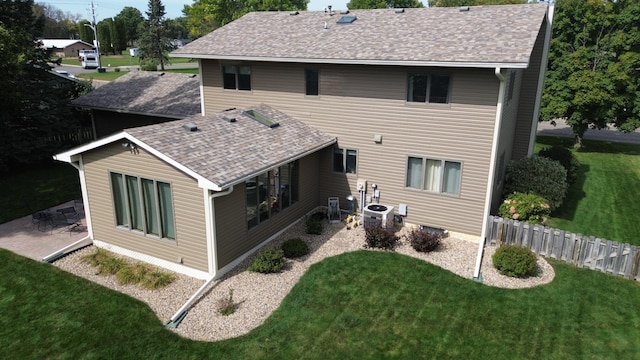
x=210, y=216
x=79, y=165
x=202, y=107
x=492, y=173
x=541, y=77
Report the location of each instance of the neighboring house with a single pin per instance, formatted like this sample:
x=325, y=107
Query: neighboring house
x=65, y=47
x=141, y=98
x=428, y=104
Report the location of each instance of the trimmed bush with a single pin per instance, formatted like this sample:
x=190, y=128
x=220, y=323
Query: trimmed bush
x=315, y=224
x=380, y=237
x=148, y=65
x=294, y=248
x=424, y=241
x=566, y=158
x=515, y=261
x=525, y=207
x=269, y=260
x=537, y=175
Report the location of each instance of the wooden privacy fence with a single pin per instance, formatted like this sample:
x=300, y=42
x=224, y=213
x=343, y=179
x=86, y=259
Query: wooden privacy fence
x=582, y=251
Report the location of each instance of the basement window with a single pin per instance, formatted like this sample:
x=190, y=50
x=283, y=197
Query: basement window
x=262, y=119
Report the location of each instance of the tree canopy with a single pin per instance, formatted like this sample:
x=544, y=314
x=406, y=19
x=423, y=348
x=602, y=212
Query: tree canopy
x=205, y=16
x=131, y=19
x=383, y=4
x=154, y=43
x=594, y=63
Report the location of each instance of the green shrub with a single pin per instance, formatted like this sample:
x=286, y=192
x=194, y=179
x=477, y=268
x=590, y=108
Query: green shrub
x=269, y=260
x=380, y=237
x=148, y=65
x=315, y=224
x=157, y=279
x=132, y=274
x=566, y=158
x=537, y=175
x=525, y=207
x=116, y=69
x=424, y=241
x=515, y=261
x=225, y=305
x=294, y=248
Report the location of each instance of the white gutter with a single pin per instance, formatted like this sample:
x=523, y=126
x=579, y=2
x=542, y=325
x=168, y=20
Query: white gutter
x=202, y=107
x=541, y=78
x=492, y=172
x=453, y=64
x=210, y=216
x=62, y=252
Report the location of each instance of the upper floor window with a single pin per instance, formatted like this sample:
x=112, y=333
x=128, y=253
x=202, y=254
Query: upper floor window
x=312, y=82
x=345, y=160
x=236, y=77
x=428, y=88
x=143, y=204
x=434, y=175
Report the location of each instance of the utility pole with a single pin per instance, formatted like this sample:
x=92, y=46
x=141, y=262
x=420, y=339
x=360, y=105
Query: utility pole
x=95, y=34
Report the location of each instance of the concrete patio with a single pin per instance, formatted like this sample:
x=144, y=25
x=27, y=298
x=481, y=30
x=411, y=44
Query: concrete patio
x=23, y=236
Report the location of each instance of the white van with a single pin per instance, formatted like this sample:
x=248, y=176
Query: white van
x=88, y=59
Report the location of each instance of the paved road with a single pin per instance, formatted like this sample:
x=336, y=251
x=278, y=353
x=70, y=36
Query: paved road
x=611, y=134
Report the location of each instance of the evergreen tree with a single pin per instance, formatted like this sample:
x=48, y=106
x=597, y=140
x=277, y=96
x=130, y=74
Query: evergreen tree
x=154, y=44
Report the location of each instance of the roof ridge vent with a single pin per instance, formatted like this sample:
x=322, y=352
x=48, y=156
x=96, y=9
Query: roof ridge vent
x=294, y=13
x=344, y=12
x=399, y=11
x=464, y=8
x=229, y=118
x=190, y=126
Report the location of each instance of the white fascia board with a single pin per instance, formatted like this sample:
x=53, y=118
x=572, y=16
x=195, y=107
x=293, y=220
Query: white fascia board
x=453, y=64
x=69, y=156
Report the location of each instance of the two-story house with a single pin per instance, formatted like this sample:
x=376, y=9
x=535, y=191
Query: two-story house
x=427, y=104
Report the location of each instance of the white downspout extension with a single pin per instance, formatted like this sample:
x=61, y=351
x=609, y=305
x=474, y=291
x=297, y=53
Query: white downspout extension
x=492, y=172
x=541, y=77
x=209, y=211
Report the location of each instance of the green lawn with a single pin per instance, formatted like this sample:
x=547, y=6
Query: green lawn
x=361, y=305
x=123, y=60
x=112, y=75
x=604, y=202
x=40, y=186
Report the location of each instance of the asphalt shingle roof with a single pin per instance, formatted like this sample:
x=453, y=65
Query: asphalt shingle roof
x=227, y=153
x=147, y=92
x=483, y=35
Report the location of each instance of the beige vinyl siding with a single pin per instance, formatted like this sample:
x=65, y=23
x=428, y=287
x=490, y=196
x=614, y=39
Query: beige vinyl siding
x=188, y=205
x=358, y=102
x=528, y=93
x=232, y=237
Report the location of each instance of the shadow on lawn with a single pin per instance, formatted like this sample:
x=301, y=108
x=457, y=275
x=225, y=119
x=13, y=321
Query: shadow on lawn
x=567, y=210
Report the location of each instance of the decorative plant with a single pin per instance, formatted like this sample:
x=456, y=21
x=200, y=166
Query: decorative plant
x=269, y=260
x=294, y=248
x=525, y=207
x=537, y=175
x=515, y=261
x=380, y=237
x=424, y=241
x=225, y=305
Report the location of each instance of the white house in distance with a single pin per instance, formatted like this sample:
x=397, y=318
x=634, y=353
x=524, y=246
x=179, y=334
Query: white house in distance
x=65, y=47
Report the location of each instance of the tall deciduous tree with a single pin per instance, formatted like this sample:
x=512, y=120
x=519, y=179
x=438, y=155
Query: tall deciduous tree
x=154, y=43
x=131, y=19
x=206, y=15
x=383, y=4
x=594, y=63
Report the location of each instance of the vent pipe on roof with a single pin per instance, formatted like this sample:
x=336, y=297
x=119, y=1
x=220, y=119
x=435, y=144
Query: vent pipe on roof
x=464, y=8
x=399, y=11
x=293, y=13
x=229, y=118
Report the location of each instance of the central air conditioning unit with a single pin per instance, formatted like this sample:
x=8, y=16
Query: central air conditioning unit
x=376, y=214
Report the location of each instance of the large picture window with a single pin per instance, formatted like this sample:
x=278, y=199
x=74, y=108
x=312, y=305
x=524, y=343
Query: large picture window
x=271, y=192
x=143, y=204
x=429, y=88
x=434, y=175
x=236, y=77
x=345, y=160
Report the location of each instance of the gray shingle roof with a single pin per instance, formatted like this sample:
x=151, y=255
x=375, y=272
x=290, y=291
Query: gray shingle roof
x=146, y=92
x=482, y=36
x=227, y=153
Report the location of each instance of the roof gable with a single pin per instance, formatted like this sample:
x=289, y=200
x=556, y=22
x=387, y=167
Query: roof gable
x=62, y=43
x=483, y=36
x=148, y=93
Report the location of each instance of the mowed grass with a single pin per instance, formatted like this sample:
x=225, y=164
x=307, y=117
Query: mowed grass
x=360, y=305
x=112, y=75
x=605, y=201
x=123, y=60
x=39, y=186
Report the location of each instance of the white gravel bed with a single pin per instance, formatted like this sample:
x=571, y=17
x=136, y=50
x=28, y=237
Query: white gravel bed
x=257, y=295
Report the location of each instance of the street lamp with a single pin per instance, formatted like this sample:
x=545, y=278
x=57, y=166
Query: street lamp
x=95, y=36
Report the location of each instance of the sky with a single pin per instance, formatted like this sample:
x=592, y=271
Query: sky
x=109, y=8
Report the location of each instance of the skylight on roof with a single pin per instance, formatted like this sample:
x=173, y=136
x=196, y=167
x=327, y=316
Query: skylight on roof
x=262, y=119
x=346, y=20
